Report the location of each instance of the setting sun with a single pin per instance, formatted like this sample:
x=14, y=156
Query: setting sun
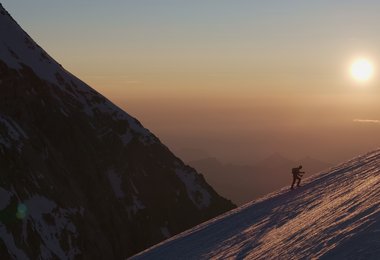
x=361, y=70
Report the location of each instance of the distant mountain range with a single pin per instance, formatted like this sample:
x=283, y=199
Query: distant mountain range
x=191, y=154
x=243, y=183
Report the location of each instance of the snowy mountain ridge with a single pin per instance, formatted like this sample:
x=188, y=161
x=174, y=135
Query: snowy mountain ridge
x=334, y=215
x=18, y=50
x=79, y=177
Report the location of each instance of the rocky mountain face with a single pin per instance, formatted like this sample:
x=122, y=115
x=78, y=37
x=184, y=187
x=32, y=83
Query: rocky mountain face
x=79, y=177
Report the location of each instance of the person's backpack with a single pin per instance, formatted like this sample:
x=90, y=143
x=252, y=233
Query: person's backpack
x=295, y=170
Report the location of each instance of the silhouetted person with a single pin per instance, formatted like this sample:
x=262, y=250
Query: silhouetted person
x=297, y=175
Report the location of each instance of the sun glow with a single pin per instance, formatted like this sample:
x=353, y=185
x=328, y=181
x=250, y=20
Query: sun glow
x=361, y=70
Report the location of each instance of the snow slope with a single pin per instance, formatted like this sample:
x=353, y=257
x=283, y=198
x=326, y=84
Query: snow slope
x=334, y=215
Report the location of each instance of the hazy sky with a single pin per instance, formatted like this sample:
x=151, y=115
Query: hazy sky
x=239, y=79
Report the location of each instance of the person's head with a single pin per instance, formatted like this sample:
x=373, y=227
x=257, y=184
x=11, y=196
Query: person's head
x=300, y=167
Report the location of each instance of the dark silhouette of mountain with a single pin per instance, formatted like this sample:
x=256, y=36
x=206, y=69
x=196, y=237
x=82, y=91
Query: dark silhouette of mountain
x=80, y=178
x=242, y=183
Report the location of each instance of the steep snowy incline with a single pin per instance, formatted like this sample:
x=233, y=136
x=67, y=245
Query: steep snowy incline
x=334, y=215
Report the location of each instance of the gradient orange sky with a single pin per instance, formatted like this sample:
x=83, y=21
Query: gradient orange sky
x=238, y=79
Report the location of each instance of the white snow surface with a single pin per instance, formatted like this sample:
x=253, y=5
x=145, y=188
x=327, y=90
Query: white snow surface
x=136, y=206
x=51, y=234
x=5, y=198
x=9, y=242
x=13, y=134
x=18, y=50
x=116, y=181
x=334, y=215
x=198, y=195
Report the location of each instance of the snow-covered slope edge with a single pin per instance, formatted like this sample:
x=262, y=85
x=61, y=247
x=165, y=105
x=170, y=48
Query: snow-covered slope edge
x=334, y=215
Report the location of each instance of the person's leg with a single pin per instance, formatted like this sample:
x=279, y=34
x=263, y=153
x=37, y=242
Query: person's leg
x=294, y=181
x=299, y=181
